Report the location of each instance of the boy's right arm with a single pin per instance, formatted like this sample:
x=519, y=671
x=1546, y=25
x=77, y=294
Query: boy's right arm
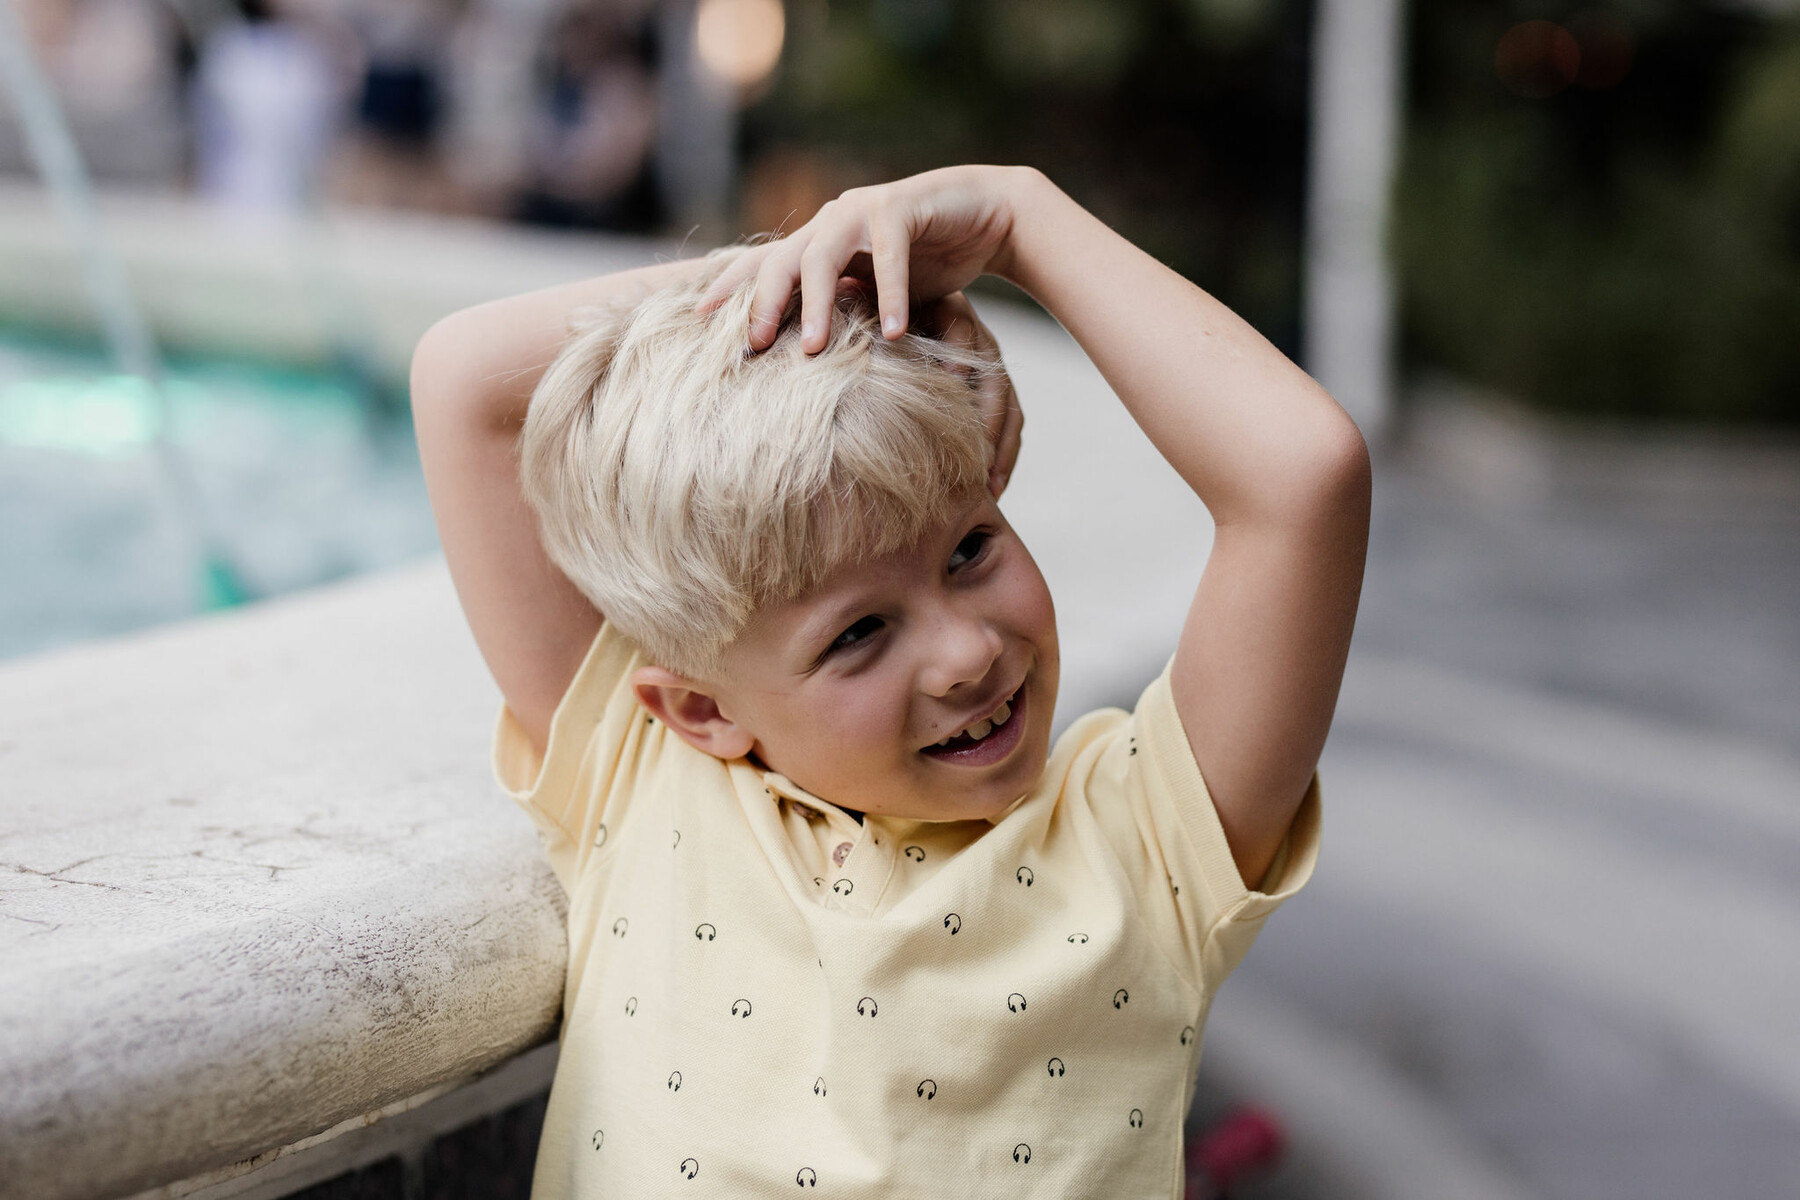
x=472, y=378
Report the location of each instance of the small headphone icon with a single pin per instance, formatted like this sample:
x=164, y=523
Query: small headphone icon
x=620, y=926
x=927, y=1088
x=916, y=853
x=807, y=1177
x=600, y=836
x=689, y=1168
x=843, y=887
x=1120, y=997
x=674, y=1081
x=1056, y=1068
x=599, y=1136
x=1082, y=938
x=866, y=1007
x=1015, y=1003
x=1021, y=1153
x=1187, y=1034
x=677, y=839
x=705, y=931
x=734, y=1008
x=1024, y=875
x=1137, y=1118
x=631, y=1006
x=819, y=1086
x=953, y=923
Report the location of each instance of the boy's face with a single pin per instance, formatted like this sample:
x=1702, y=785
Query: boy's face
x=850, y=689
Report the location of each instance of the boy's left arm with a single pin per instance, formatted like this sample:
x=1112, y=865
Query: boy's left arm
x=1283, y=470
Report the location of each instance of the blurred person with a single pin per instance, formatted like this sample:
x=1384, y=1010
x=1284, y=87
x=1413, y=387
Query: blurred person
x=491, y=60
x=268, y=97
x=593, y=125
x=391, y=157
x=779, y=679
x=116, y=67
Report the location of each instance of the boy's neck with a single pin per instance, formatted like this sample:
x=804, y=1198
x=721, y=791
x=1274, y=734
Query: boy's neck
x=756, y=758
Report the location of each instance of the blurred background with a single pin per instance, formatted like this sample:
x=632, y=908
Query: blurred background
x=1547, y=254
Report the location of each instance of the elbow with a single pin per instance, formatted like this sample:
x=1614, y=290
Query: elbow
x=431, y=368
x=446, y=373
x=1344, y=483
x=1326, y=478
x=1342, y=466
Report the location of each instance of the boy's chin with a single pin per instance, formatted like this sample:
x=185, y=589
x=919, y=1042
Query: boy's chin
x=994, y=799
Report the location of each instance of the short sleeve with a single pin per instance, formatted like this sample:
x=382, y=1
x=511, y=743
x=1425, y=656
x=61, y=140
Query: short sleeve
x=1144, y=787
x=576, y=793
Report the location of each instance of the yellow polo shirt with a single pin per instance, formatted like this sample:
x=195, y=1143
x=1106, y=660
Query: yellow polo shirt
x=765, y=995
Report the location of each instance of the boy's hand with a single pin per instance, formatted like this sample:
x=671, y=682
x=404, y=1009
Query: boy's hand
x=918, y=239
x=952, y=319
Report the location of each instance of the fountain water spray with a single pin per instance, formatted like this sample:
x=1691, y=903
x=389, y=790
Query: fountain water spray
x=122, y=323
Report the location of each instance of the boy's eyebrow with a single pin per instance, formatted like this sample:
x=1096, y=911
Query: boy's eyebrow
x=832, y=619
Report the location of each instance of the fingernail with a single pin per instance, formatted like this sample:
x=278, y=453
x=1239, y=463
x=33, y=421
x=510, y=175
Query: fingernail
x=891, y=325
x=807, y=330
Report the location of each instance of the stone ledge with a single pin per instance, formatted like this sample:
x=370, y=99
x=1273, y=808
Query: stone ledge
x=255, y=881
x=405, y=1139
x=363, y=282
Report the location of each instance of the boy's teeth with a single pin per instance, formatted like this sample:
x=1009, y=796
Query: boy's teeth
x=982, y=728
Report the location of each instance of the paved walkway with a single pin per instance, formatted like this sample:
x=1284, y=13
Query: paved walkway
x=1550, y=948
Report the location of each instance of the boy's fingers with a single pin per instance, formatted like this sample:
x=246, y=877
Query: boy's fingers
x=774, y=285
x=1006, y=444
x=740, y=269
x=820, y=269
x=953, y=321
x=890, y=246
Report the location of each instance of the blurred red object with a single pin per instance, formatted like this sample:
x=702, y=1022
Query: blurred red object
x=1537, y=59
x=1247, y=1140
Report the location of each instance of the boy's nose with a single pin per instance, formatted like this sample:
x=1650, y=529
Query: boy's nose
x=963, y=651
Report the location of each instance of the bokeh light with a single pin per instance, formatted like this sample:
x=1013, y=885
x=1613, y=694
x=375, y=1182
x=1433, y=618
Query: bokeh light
x=740, y=40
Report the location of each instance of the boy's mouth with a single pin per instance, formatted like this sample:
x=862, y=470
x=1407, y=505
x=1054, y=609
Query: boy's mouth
x=989, y=739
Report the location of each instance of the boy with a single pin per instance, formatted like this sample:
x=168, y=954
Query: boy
x=778, y=685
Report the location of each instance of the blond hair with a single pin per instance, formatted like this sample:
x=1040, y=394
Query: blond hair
x=682, y=484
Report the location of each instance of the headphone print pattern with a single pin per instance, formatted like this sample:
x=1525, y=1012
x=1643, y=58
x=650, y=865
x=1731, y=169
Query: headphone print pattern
x=927, y=1089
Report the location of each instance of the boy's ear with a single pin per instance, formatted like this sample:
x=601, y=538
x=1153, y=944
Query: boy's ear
x=682, y=705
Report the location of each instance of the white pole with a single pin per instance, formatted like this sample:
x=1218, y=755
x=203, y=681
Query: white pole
x=1348, y=323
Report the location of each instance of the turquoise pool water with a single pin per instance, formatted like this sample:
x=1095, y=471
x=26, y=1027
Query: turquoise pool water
x=300, y=478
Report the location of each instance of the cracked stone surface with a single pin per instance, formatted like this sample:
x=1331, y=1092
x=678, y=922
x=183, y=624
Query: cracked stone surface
x=255, y=880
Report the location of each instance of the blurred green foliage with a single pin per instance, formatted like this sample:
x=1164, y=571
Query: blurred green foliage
x=1630, y=250
x=1626, y=246
x=1181, y=122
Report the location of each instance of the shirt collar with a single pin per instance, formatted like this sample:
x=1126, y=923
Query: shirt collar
x=782, y=786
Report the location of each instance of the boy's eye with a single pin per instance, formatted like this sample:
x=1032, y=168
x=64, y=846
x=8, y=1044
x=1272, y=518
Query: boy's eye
x=969, y=549
x=858, y=632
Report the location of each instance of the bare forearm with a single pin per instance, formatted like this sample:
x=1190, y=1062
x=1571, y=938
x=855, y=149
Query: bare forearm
x=1248, y=430
x=490, y=357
